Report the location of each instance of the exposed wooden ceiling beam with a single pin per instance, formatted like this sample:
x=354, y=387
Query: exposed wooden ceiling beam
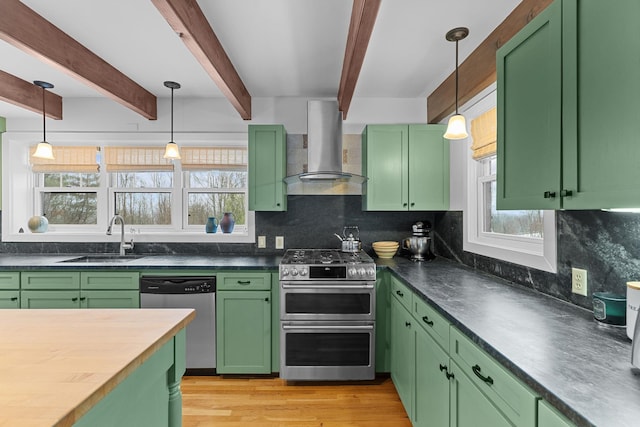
x=30, y=32
x=25, y=94
x=478, y=71
x=186, y=18
x=363, y=18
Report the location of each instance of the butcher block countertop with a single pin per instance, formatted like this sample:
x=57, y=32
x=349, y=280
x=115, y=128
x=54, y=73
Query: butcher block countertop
x=55, y=365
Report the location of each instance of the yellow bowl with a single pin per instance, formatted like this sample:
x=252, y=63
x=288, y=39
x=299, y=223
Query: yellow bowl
x=385, y=244
x=385, y=253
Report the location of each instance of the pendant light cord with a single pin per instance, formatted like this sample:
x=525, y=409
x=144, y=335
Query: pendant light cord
x=44, y=121
x=171, y=114
x=456, y=77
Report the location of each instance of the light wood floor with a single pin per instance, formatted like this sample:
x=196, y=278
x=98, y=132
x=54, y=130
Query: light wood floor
x=224, y=401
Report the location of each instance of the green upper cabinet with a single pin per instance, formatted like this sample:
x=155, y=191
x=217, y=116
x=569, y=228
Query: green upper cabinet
x=407, y=167
x=267, y=168
x=567, y=110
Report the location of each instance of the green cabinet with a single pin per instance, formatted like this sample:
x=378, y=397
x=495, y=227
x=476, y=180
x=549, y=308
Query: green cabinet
x=548, y=416
x=267, y=168
x=407, y=167
x=403, y=358
x=567, y=104
x=10, y=289
x=74, y=289
x=383, y=322
x=243, y=323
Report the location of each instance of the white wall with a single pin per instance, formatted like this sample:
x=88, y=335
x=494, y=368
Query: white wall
x=216, y=115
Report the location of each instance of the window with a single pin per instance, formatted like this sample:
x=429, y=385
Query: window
x=521, y=237
x=160, y=200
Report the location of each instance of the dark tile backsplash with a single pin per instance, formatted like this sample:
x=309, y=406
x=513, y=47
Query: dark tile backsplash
x=606, y=244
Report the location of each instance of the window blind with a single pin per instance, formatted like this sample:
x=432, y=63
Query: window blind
x=484, y=131
x=206, y=158
x=136, y=159
x=67, y=160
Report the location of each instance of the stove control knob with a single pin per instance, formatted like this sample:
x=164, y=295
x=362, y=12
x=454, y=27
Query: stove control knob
x=303, y=272
x=294, y=272
x=285, y=272
x=352, y=272
x=361, y=271
x=371, y=272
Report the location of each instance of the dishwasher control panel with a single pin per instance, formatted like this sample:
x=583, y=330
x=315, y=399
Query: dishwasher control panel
x=177, y=284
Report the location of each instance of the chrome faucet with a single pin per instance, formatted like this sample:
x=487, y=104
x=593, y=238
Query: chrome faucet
x=123, y=246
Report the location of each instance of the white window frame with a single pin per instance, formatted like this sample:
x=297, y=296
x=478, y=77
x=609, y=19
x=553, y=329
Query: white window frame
x=536, y=253
x=18, y=181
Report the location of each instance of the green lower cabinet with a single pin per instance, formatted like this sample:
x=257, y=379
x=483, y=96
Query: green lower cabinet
x=383, y=320
x=50, y=299
x=469, y=406
x=10, y=299
x=275, y=322
x=432, y=383
x=548, y=416
x=402, y=354
x=243, y=326
x=109, y=299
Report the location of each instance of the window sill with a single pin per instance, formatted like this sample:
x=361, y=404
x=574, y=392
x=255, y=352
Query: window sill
x=183, y=237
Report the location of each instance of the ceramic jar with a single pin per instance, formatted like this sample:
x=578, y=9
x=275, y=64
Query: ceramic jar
x=227, y=222
x=212, y=225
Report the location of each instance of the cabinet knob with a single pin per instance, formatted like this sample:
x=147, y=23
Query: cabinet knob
x=404, y=205
x=244, y=282
x=399, y=293
x=74, y=299
x=450, y=375
x=443, y=368
x=14, y=298
x=277, y=204
x=83, y=298
x=566, y=193
x=407, y=324
x=549, y=194
x=413, y=203
x=266, y=299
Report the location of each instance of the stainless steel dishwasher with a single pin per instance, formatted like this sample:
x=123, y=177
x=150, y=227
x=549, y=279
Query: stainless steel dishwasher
x=197, y=292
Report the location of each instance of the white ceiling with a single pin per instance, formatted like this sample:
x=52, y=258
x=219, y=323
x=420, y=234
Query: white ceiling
x=292, y=48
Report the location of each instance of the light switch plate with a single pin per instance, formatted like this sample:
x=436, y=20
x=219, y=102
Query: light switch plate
x=262, y=242
x=279, y=242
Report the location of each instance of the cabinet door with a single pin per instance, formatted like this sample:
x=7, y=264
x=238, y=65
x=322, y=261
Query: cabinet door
x=385, y=160
x=267, y=168
x=403, y=354
x=550, y=417
x=9, y=299
x=50, y=280
x=432, y=384
x=243, y=329
x=109, y=299
x=601, y=100
x=428, y=168
x=529, y=69
x=50, y=299
x=469, y=406
x=383, y=322
x=243, y=281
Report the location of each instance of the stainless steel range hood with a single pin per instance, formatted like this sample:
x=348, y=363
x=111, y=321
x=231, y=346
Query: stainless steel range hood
x=324, y=131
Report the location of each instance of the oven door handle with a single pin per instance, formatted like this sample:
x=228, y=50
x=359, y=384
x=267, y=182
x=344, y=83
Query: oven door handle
x=333, y=327
x=325, y=286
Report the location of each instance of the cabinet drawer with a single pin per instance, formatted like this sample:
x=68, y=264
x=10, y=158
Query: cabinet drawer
x=9, y=299
x=109, y=280
x=50, y=280
x=402, y=293
x=511, y=396
x=10, y=280
x=431, y=321
x=243, y=281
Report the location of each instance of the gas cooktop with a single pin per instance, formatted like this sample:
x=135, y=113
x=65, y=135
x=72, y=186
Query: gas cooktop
x=324, y=257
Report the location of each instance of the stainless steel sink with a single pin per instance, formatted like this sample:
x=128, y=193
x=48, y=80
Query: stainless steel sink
x=102, y=258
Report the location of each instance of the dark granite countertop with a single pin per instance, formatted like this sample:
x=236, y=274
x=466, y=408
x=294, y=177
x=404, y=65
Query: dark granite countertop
x=578, y=365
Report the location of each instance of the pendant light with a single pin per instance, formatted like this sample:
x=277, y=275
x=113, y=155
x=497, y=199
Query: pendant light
x=457, y=127
x=172, y=151
x=44, y=150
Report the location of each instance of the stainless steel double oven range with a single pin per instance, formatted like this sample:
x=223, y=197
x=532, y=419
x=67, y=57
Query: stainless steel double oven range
x=327, y=315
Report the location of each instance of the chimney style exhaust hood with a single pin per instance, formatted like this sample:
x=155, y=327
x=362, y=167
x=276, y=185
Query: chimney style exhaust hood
x=324, y=145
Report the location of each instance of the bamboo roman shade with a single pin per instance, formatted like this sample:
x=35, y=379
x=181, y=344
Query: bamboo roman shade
x=484, y=131
x=207, y=158
x=67, y=159
x=136, y=159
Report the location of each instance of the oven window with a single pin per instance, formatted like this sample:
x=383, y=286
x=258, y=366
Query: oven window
x=321, y=303
x=328, y=349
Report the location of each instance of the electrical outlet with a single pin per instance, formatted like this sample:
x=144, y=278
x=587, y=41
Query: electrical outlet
x=579, y=281
x=262, y=242
x=279, y=242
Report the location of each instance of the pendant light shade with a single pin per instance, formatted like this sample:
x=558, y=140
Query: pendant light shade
x=44, y=150
x=457, y=128
x=172, y=151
